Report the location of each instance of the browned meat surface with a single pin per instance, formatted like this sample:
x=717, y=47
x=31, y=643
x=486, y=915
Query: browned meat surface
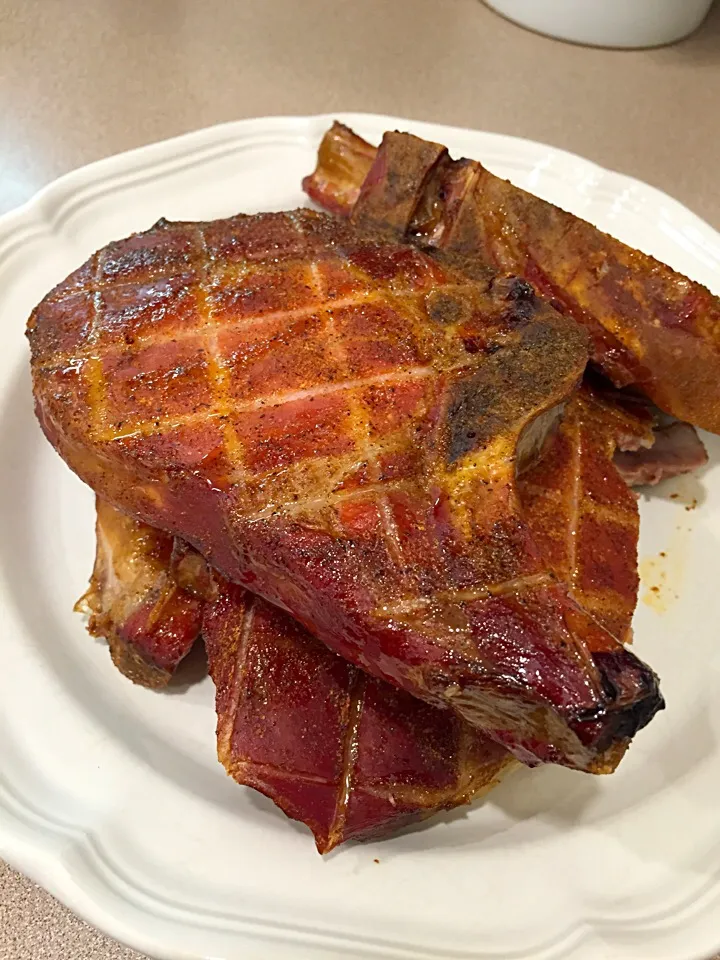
x=582, y=514
x=650, y=326
x=350, y=756
x=149, y=622
x=335, y=420
x=677, y=450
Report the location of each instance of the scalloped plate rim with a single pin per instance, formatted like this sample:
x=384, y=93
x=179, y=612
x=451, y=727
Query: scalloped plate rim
x=29, y=222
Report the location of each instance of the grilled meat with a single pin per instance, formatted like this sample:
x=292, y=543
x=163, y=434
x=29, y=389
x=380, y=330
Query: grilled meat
x=650, y=326
x=336, y=421
x=350, y=756
x=582, y=514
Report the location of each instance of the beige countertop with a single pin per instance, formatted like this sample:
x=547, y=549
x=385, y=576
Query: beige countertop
x=82, y=79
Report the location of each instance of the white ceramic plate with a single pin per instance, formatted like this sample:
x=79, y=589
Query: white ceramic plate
x=111, y=796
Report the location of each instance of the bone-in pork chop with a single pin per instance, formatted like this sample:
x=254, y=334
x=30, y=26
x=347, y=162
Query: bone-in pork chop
x=335, y=420
x=650, y=326
x=148, y=588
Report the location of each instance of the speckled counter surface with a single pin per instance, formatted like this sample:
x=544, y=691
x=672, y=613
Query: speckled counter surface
x=80, y=80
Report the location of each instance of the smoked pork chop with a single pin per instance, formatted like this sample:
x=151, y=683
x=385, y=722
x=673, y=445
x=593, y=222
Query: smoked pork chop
x=147, y=588
x=335, y=420
x=650, y=326
x=285, y=702
x=349, y=755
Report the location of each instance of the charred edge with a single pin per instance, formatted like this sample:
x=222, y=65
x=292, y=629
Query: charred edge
x=633, y=693
x=514, y=289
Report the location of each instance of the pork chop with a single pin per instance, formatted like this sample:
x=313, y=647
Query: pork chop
x=335, y=420
x=650, y=326
x=350, y=756
x=148, y=589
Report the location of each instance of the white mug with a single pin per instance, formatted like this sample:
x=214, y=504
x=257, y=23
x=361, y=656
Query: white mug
x=608, y=23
